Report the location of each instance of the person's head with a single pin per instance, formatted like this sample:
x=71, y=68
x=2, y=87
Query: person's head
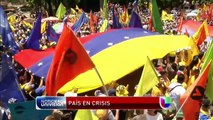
x=200, y=55
x=22, y=79
x=164, y=74
x=122, y=90
x=152, y=112
x=196, y=71
x=174, y=66
x=112, y=92
x=75, y=90
x=180, y=78
x=2, y=104
x=57, y=114
x=139, y=112
x=206, y=104
x=172, y=56
x=97, y=92
x=194, y=62
x=182, y=66
x=102, y=114
x=50, y=117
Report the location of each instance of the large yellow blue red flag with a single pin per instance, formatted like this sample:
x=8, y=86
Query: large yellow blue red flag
x=111, y=52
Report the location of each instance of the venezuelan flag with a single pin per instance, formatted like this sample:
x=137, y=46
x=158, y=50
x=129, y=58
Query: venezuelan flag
x=115, y=54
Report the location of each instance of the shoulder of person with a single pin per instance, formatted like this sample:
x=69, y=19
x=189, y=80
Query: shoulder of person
x=159, y=115
x=140, y=117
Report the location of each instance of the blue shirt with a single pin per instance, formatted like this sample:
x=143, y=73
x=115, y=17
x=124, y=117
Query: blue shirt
x=204, y=115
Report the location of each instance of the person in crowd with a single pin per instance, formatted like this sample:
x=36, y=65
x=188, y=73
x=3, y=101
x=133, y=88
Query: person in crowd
x=122, y=91
x=205, y=110
x=140, y=115
x=194, y=74
x=176, y=90
x=151, y=114
x=159, y=89
x=29, y=87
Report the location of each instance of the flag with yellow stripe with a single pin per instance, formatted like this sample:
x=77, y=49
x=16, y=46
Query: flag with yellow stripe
x=148, y=79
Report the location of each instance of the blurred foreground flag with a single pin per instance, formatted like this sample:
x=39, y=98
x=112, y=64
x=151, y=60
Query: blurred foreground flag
x=6, y=33
x=194, y=95
x=69, y=61
x=208, y=57
x=9, y=88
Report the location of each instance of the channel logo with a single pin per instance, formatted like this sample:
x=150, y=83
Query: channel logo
x=49, y=103
x=165, y=102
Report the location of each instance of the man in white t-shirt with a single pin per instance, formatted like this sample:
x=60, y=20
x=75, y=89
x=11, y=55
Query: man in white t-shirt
x=149, y=115
x=176, y=90
x=153, y=115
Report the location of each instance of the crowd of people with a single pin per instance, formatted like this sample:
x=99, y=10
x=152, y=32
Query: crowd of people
x=176, y=73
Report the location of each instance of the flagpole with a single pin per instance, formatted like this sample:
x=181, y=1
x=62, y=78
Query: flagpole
x=181, y=106
x=96, y=70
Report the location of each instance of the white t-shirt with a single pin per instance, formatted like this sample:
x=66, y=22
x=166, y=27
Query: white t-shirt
x=176, y=92
x=158, y=116
x=140, y=117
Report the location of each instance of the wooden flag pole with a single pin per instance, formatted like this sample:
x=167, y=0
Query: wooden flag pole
x=105, y=90
x=181, y=106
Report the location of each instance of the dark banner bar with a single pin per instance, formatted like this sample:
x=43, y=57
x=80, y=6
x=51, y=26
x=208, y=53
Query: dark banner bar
x=113, y=103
